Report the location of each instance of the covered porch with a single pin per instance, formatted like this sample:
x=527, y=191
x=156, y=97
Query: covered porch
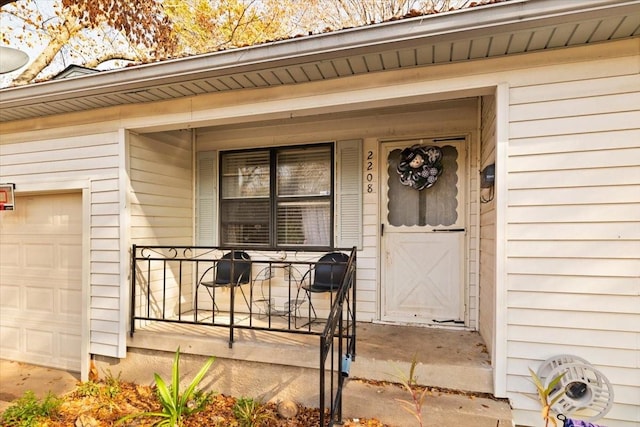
x=274, y=342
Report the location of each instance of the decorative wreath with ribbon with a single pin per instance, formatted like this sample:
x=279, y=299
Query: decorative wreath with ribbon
x=420, y=166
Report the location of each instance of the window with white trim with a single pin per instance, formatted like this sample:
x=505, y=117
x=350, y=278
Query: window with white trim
x=279, y=197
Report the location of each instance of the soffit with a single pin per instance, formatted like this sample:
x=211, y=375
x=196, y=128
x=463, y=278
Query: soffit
x=499, y=30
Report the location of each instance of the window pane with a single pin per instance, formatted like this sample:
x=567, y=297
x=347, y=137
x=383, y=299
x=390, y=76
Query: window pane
x=304, y=223
x=245, y=174
x=304, y=172
x=245, y=222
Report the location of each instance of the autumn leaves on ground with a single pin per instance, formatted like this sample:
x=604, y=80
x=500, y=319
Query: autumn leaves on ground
x=112, y=402
x=105, y=402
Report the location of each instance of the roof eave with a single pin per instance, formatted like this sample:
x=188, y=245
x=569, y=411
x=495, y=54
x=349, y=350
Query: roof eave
x=479, y=21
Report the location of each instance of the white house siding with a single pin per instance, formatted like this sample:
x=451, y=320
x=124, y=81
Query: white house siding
x=457, y=117
x=573, y=229
x=487, y=279
x=38, y=162
x=161, y=203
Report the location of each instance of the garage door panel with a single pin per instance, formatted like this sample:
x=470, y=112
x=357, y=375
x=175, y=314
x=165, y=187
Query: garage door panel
x=10, y=337
x=10, y=254
x=39, y=343
x=41, y=280
x=70, y=256
x=39, y=299
x=9, y=297
x=70, y=301
x=39, y=256
x=68, y=344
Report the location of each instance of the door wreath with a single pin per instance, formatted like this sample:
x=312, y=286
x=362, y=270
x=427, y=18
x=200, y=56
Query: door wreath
x=420, y=166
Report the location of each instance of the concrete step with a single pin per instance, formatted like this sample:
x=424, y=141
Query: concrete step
x=448, y=358
x=382, y=401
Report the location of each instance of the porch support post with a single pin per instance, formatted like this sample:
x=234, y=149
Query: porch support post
x=500, y=356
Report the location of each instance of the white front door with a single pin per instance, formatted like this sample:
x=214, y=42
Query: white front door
x=423, y=222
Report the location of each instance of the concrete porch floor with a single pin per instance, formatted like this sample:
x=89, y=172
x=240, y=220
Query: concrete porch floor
x=451, y=358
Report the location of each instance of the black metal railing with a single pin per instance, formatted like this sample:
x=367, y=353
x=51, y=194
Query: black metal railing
x=200, y=286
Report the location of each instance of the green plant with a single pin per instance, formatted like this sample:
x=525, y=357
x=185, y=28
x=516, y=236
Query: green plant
x=176, y=406
x=417, y=393
x=112, y=385
x=88, y=389
x=544, y=394
x=27, y=409
x=250, y=412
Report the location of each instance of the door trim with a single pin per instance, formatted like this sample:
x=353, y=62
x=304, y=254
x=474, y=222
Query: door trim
x=464, y=308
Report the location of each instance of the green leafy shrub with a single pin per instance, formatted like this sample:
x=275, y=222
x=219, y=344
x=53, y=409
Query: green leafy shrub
x=26, y=411
x=176, y=406
x=88, y=389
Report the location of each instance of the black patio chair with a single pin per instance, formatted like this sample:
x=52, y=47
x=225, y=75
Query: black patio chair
x=232, y=270
x=325, y=276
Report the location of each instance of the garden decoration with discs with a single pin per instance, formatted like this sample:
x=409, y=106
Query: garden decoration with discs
x=420, y=166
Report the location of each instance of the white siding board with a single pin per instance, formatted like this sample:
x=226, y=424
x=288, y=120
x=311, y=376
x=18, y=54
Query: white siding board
x=574, y=266
x=102, y=314
x=526, y=208
x=597, y=356
x=596, y=285
x=100, y=325
x=574, y=302
x=592, y=177
x=574, y=249
x=105, y=221
x=39, y=143
x=98, y=185
x=74, y=167
x=104, y=338
x=574, y=336
x=569, y=230
x=52, y=156
x=625, y=157
x=574, y=142
x=574, y=319
x=102, y=279
x=104, y=245
x=579, y=124
x=587, y=195
x=569, y=107
x=105, y=303
x=97, y=348
x=105, y=233
x=103, y=267
x=104, y=197
x=104, y=291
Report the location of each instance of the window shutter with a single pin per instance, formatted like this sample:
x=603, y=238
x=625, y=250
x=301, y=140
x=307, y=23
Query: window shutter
x=348, y=209
x=206, y=198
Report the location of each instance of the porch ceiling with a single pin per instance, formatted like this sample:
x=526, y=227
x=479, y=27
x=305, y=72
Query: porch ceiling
x=508, y=28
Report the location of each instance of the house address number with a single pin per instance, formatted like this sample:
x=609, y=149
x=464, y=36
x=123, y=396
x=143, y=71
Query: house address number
x=369, y=168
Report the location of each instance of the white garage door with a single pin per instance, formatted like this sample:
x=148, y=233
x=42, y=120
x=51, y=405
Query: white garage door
x=41, y=280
